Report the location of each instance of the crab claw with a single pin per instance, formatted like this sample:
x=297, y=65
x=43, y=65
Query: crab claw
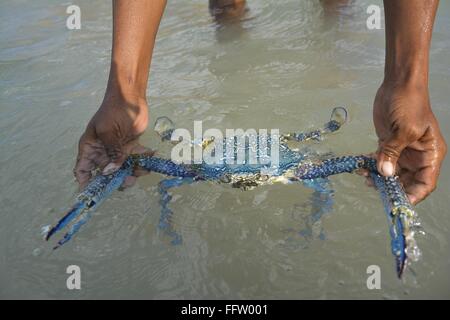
x=401, y=266
x=74, y=229
x=398, y=245
x=76, y=210
x=401, y=216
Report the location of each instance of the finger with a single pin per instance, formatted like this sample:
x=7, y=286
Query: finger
x=369, y=182
x=138, y=172
x=83, y=170
x=116, y=152
x=113, y=166
x=84, y=163
x=388, y=153
x=121, y=155
x=406, y=177
x=362, y=172
x=422, y=185
x=101, y=161
x=140, y=149
x=418, y=192
x=129, y=181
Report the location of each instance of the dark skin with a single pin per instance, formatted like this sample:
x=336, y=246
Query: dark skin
x=113, y=132
x=227, y=10
x=410, y=141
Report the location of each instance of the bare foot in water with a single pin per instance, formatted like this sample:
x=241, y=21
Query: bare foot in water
x=227, y=10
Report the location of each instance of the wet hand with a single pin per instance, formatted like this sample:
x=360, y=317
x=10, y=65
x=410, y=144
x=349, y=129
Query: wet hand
x=410, y=141
x=111, y=135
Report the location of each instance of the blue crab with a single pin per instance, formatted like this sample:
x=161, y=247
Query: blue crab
x=293, y=167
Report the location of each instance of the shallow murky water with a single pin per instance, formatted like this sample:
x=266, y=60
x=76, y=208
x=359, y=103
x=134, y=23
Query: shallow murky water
x=285, y=66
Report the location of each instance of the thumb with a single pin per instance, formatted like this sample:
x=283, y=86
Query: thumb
x=116, y=154
x=115, y=164
x=388, y=153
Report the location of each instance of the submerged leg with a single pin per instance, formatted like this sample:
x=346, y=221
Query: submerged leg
x=321, y=203
x=224, y=10
x=166, y=213
x=308, y=215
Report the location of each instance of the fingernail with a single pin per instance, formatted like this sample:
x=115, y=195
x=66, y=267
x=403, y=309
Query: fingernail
x=387, y=169
x=110, y=168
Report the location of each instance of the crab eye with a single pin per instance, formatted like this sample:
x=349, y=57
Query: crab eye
x=91, y=204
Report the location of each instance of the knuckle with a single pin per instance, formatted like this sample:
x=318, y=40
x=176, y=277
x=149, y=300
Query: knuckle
x=434, y=182
x=390, y=151
x=114, y=152
x=430, y=188
x=419, y=199
x=433, y=188
x=407, y=132
x=422, y=195
x=103, y=127
x=412, y=133
x=444, y=148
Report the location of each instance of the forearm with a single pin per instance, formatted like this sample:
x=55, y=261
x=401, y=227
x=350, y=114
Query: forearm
x=409, y=25
x=135, y=26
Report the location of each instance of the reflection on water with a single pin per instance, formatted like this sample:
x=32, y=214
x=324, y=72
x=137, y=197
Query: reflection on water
x=281, y=65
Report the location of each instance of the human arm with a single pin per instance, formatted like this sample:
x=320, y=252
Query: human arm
x=410, y=141
x=113, y=132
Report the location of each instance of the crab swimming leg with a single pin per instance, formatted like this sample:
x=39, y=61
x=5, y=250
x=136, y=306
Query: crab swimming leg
x=164, y=127
x=321, y=203
x=338, y=118
x=166, y=213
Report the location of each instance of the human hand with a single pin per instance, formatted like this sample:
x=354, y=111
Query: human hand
x=410, y=141
x=111, y=135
